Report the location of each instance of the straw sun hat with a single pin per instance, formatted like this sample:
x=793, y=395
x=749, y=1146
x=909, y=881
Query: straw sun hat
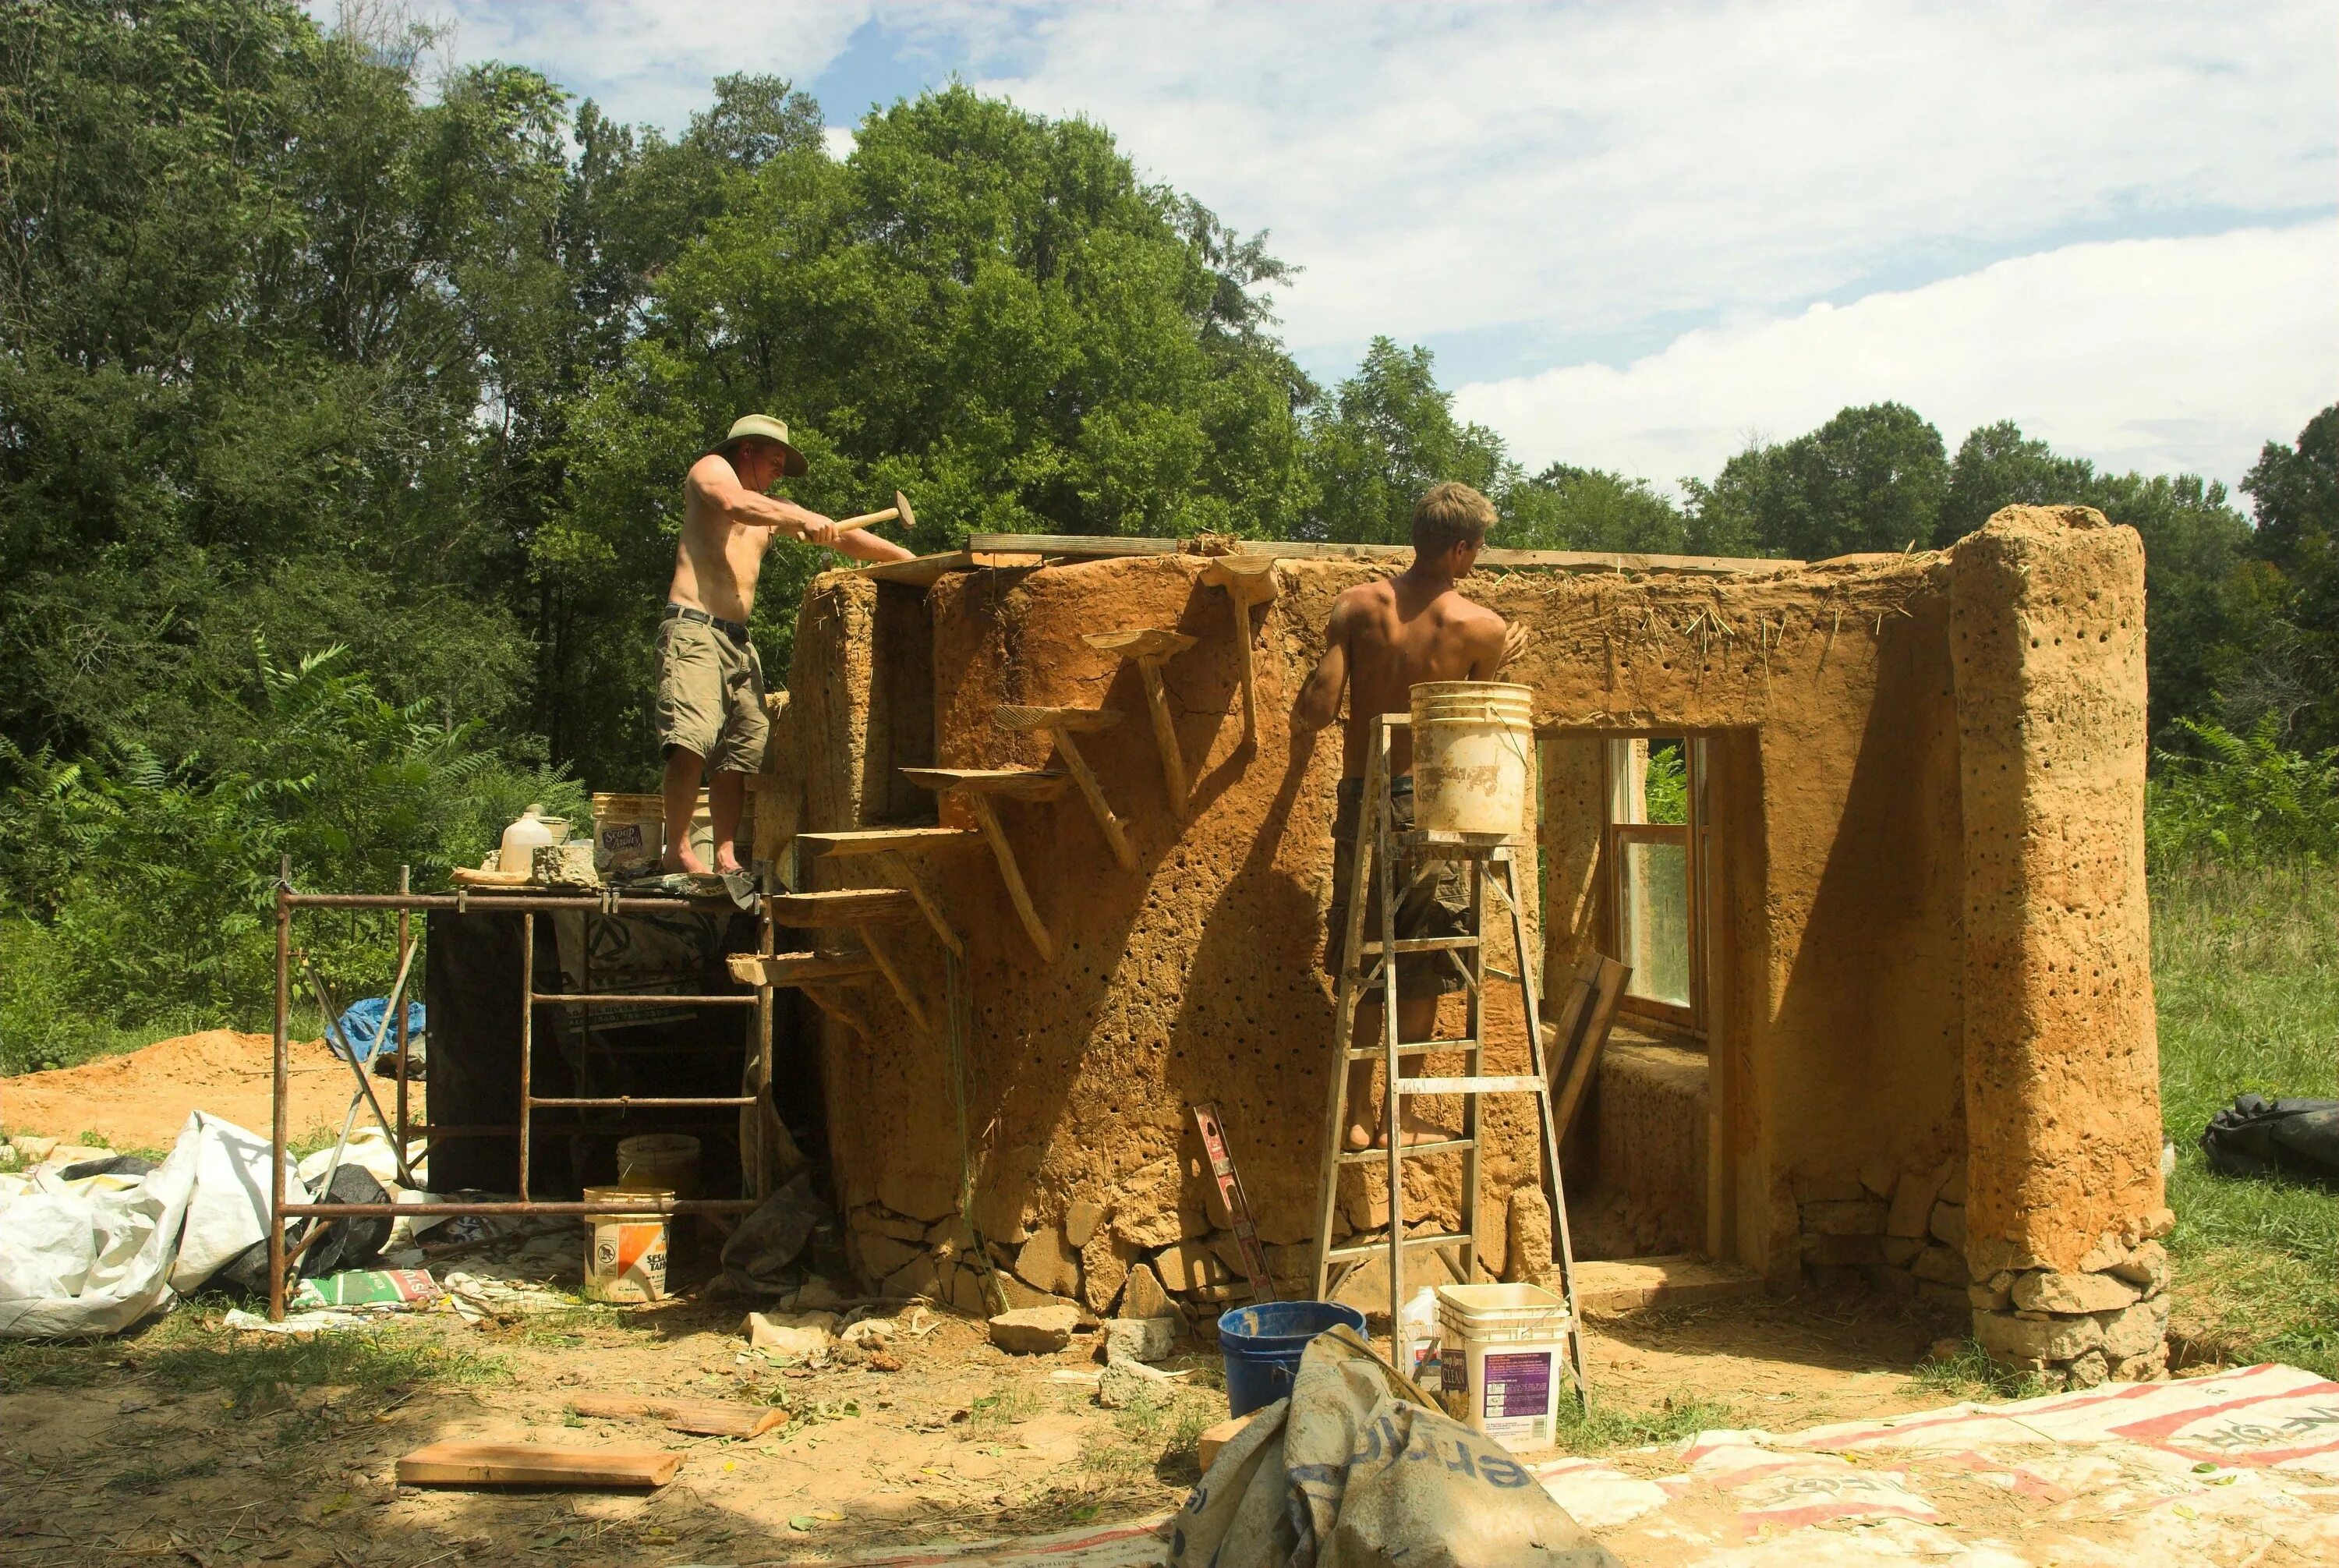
x=762, y=427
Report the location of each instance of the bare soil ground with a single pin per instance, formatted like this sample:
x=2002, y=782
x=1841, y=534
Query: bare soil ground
x=187, y=1441
x=190, y=1439
x=140, y=1100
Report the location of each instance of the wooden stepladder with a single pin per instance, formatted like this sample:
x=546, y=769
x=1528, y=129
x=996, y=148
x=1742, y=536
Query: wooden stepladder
x=1492, y=863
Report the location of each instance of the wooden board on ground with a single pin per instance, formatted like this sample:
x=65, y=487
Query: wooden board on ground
x=1015, y=784
x=847, y=843
x=1213, y=1439
x=536, y=1464
x=702, y=1418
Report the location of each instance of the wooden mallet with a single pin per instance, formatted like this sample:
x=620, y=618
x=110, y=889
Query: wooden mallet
x=900, y=508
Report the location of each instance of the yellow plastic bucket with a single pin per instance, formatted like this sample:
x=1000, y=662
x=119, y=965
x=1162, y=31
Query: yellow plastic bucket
x=1472, y=755
x=625, y=1254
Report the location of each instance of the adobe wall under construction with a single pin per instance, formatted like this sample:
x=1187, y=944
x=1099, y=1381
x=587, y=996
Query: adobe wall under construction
x=1888, y=772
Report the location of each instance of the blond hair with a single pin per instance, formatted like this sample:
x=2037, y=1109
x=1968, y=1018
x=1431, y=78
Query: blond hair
x=1449, y=514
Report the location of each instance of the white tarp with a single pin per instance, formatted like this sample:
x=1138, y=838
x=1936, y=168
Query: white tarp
x=93, y=1256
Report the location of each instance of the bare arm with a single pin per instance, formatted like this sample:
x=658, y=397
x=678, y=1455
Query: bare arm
x=864, y=546
x=1490, y=646
x=1319, y=698
x=714, y=487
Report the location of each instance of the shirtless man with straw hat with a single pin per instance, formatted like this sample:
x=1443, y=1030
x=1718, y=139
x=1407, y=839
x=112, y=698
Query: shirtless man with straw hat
x=710, y=684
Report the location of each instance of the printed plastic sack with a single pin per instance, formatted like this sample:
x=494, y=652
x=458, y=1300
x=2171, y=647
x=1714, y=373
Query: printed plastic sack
x=1357, y=1470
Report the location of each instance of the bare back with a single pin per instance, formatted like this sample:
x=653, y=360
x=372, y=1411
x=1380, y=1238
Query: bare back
x=1398, y=632
x=716, y=560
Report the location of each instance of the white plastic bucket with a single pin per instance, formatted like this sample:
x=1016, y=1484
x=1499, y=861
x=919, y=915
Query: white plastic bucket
x=625, y=1254
x=1473, y=749
x=658, y=1161
x=1503, y=1360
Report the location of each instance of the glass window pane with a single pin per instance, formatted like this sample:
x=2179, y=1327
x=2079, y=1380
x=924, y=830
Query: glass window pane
x=1654, y=920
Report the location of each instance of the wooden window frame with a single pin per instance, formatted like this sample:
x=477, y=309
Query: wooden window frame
x=1694, y=837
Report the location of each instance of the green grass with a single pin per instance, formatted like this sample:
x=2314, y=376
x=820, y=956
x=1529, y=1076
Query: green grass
x=1970, y=1374
x=2245, y=967
x=1609, y=1428
x=248, y=1372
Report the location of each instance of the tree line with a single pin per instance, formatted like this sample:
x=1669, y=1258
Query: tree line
x=322, y=377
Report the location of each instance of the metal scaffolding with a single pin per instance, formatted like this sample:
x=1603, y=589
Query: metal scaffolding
x=756, y=1174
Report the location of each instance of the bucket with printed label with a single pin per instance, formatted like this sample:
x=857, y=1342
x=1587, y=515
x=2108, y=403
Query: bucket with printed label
x=625, y=1254
x=1503, y=1360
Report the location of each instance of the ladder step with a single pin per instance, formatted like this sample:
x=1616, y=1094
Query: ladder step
x=1380, y=1248
x=1411, y=1151
x=1422, y=944
x=1523, y=1084
x=1412, y=1048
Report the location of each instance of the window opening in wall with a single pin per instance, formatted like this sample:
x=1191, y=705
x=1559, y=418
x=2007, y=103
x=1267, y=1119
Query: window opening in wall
x=1656, y=852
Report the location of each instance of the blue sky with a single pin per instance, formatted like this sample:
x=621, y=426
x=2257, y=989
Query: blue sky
x=1637, y=236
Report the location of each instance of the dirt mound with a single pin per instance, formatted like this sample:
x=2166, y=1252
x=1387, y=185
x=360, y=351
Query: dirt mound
x=140, y=1100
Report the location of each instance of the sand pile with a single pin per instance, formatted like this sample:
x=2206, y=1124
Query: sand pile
x=140, y=1100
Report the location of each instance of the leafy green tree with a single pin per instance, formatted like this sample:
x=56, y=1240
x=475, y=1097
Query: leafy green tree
x=1566, y=508
x=1387, y=434
x=1871, y=479
x=2286, y=662
x=981, y=308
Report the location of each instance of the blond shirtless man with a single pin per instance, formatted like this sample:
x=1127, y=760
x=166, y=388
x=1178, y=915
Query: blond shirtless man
x=710, y=691
x=1383, y=638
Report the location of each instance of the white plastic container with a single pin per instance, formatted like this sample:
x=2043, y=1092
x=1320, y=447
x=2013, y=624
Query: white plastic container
x=522, y=839
x=1473, y=756
x=1503, y=1360
x=659, y=1161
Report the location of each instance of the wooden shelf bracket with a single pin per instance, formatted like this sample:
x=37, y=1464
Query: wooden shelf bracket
x=1061, y=725
x=1248, y=580
x=1150, y=648
x=976, y=786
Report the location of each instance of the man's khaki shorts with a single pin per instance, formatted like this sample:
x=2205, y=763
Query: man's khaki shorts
x=1432, y=899
x=710, y=696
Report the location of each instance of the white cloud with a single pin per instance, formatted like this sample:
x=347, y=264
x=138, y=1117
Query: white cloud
x=2157, y=355
x=1571, y=172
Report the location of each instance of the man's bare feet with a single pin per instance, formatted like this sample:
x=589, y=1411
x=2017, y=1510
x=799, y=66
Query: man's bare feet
x=684, y=859
x=727, y=861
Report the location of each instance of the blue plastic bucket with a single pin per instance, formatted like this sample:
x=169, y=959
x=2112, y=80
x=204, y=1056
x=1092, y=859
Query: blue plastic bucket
x=1262, y=1346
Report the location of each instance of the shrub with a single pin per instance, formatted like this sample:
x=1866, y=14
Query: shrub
x=141, y=891
x=2243, y=799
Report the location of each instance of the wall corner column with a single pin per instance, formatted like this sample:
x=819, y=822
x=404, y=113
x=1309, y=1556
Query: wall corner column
x=2061, y=1054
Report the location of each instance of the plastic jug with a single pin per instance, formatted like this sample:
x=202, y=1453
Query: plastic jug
x=522, y=839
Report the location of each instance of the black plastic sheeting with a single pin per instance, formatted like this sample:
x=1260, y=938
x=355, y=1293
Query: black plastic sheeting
x=2261, y=1137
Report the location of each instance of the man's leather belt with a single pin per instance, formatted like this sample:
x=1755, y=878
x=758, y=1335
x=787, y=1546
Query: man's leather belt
x=732, y=629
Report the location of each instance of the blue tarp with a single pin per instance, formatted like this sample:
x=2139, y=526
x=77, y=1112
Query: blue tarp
x=363, y=1021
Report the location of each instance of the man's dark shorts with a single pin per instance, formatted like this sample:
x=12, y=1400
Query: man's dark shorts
x=1435, y=904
